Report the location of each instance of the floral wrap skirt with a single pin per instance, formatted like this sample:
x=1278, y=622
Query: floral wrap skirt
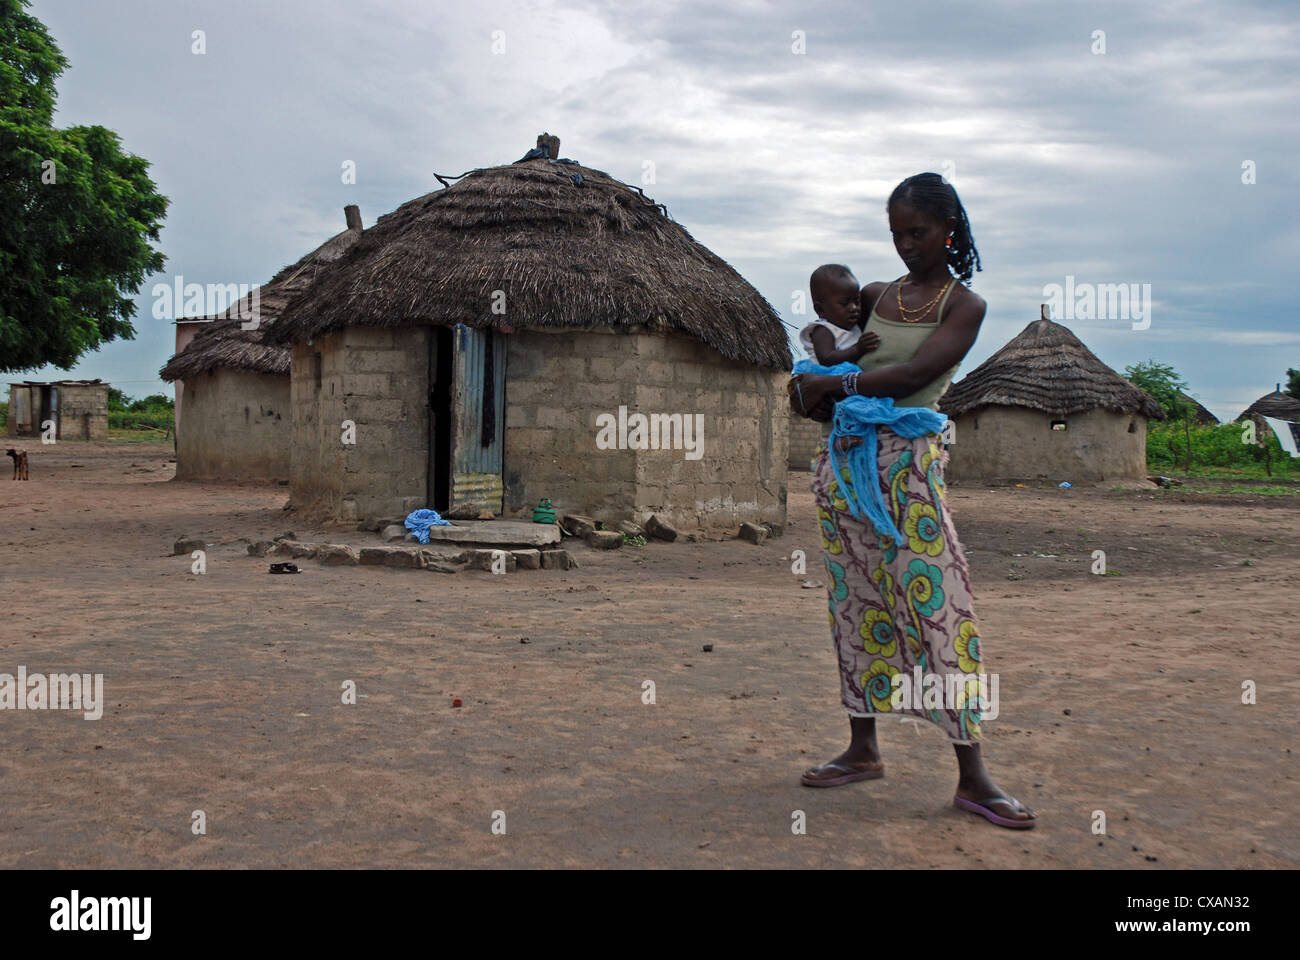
x=902, y=617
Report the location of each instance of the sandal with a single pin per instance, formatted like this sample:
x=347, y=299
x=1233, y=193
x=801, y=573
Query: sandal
x=983, y=810
x=849, y=775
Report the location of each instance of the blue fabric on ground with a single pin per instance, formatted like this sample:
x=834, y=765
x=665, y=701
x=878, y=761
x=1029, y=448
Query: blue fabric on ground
x=420, y=521
x=858, y=417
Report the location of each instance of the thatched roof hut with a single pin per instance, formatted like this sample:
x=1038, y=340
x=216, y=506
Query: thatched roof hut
x=483, y=341
x=224, y=344
x=1200, y=415
x=1048, y=369
x=1044, y=407
x=570, y=246
x=233, y=417
x=1278, y=405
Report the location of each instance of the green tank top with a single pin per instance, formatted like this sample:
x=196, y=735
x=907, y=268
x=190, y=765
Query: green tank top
x=898, y=343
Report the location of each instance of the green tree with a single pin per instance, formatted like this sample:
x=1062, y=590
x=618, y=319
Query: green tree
x=76, y=214
x=1168, y=390
x=155, y=401
x=1292, y=387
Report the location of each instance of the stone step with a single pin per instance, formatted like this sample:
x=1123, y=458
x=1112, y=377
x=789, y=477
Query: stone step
x=496, y=533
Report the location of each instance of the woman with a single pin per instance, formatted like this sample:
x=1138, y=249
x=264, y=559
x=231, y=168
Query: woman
x=900, y=605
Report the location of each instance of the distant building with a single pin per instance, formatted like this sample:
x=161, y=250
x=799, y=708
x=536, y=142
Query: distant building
x=1280, y=408
x=232, y=387
x=77, y=408
x=1044, y=407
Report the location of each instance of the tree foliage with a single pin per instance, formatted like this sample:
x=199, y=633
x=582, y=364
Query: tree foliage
x=77, y=214
x=1164, y=385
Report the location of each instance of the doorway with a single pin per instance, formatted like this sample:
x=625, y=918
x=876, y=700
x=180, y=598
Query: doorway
x=441, y=376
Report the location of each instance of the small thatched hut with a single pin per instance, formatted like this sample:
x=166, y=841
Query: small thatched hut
x=497, y=341
x=1277, y=406
x=1200, y=415
x=1045, y=407
x=232, y=386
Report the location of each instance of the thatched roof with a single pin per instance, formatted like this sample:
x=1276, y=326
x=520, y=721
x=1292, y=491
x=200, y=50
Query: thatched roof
x=1046, y=367
x=571, y=247
x=1278, y=405
x=1200, y=414
x=223, y=344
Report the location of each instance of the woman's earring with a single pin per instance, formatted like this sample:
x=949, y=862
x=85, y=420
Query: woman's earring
x=948, y=242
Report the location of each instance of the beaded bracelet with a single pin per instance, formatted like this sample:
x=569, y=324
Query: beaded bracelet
x=849, y=384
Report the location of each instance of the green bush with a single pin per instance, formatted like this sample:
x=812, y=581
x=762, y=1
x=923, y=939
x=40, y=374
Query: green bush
x=1212, y=446
x=126, y=420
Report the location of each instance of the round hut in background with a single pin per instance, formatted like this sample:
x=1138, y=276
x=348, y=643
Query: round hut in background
x=494, y=342
x=1277, y=411
x=1044, y=407
x=233, y=418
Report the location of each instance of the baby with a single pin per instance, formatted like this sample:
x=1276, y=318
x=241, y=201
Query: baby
x=835, y=337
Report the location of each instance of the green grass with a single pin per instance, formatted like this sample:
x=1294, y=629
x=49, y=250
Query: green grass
x=1240, y=489
x=138, y=436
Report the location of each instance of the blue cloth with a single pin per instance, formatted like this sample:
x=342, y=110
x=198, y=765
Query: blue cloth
x=420, y=521
x=858, y=417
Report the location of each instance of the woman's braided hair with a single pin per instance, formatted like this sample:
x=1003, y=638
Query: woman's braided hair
x=932, y=194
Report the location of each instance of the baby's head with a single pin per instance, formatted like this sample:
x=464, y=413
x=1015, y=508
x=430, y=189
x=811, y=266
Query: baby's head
x=835, y=295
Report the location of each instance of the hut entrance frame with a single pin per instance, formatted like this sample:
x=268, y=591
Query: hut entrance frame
x=467, y=375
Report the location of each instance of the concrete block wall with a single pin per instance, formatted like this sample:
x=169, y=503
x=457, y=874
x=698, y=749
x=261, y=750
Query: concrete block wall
x=741, y=472
x=378, y=379
x=805, y=437
x=235, y=425
x=83, y=412
x=557, y=384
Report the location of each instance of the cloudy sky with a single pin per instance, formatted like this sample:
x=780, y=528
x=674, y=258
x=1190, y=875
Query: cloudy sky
x=775, y=132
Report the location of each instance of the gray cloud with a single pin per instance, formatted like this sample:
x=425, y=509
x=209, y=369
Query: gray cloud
x=1124, y=167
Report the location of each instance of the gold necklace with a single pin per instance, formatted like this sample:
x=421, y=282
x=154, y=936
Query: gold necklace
x=919, y=313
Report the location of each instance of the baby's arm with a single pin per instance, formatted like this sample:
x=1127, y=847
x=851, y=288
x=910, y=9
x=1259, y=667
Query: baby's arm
x=824, y=347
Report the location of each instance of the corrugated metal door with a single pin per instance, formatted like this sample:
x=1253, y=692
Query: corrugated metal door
x=21, y=413
x=478, y=400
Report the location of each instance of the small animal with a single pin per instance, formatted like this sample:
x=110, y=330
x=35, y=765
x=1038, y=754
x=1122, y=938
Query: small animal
x=20, y=463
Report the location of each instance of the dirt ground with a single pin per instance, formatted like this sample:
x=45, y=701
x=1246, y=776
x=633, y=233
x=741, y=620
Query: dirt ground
x=1119, y=693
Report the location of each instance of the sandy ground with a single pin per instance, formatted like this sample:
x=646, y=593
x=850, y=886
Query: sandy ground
x=1119, y=693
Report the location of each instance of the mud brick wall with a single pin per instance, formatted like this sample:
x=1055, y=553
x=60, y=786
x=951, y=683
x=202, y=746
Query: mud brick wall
x=378, y=379
x=805, y=438
x=1014, y=443
x=559, y=383
x=83, y=412
x=235, y=425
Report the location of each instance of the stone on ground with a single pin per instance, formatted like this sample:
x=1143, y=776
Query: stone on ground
x=188, y=545
x=557, y=560
x=604, y=539
x=336, y=555
x=752, y=532
x=660, y=529
x=528, y=559
x=576, y=526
